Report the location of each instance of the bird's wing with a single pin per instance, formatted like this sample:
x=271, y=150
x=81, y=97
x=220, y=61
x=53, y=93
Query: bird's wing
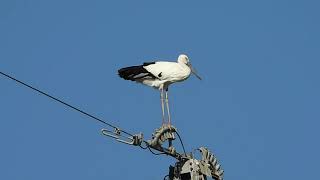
x=164, y=70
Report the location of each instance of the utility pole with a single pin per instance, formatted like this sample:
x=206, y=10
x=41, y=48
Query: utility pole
x=187, y=166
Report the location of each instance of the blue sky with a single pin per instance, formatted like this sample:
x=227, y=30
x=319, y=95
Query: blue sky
x=257, y=108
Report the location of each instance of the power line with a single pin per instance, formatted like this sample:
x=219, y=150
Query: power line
x=62, y=102
x=85, y=113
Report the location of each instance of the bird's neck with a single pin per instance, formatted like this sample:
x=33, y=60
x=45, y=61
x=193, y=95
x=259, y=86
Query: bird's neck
x=185, y=68
x=182, y=64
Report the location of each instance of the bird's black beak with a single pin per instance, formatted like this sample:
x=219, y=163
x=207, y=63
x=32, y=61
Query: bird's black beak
x=194, y=71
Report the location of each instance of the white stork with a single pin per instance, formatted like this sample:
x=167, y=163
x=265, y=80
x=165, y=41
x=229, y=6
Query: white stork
x=159, y=75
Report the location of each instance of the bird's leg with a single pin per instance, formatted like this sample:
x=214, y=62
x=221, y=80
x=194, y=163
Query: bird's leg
x=162, y=105
x=168, y=111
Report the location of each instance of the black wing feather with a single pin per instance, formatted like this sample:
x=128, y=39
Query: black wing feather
x=134, y=73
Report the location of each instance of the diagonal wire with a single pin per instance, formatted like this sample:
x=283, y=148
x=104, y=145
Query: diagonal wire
x=184, y=150
x=83, y=112
x=62, y=102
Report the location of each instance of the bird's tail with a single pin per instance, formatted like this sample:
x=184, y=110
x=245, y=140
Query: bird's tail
x=133, y=73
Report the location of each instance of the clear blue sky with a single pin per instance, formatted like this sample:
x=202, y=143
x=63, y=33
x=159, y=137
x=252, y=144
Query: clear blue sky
x=257, y=108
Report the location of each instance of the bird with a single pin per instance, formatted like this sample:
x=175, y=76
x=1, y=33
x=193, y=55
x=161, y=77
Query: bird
x=160, y=75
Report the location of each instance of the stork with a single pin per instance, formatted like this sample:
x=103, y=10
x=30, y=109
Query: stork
x=159, y=75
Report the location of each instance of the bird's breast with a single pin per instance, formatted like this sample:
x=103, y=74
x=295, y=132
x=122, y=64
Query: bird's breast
x=181, y=75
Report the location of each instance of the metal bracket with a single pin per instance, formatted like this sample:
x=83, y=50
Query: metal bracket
x=164, y=133
x=194, y=169
x=210, y=165
x=161, y=135
x=135, y=140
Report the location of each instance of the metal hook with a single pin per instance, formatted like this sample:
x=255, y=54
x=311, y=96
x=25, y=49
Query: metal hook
x=116, y=134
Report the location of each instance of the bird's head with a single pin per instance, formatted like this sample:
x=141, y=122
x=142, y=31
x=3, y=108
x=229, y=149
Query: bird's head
x=183, y=59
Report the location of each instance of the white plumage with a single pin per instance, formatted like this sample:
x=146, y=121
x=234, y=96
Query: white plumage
x=167, y=73
x=160, y=75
